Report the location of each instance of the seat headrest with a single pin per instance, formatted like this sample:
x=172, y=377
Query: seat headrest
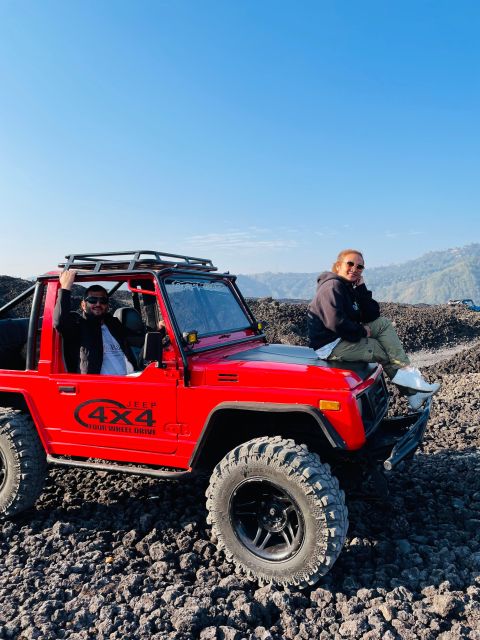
x=131, y=320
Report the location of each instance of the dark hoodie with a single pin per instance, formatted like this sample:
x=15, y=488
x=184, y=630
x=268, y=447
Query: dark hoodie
x=338, y=309
x=82, y=336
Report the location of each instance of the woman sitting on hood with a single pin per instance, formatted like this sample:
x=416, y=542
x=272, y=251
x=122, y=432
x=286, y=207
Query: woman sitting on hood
x=344, y=323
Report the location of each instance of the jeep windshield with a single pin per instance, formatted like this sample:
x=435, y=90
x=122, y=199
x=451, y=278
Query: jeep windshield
x=208, y=307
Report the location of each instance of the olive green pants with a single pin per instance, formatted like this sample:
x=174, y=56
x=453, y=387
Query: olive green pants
x=382, y=346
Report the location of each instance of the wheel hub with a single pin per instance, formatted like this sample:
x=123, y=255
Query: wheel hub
x=272, y=517
x=3, y=470
x=267, y=519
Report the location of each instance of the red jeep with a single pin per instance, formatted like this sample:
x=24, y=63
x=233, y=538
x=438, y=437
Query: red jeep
x=267, y=421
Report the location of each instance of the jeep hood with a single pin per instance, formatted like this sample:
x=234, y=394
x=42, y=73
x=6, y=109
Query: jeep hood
x=290, y=354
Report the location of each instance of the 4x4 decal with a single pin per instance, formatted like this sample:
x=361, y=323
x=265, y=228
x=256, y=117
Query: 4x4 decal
x=104, y=414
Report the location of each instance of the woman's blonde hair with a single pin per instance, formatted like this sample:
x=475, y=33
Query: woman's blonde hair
x=341, y=256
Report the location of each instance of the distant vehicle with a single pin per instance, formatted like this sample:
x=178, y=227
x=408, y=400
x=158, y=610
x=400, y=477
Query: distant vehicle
x=467, y=302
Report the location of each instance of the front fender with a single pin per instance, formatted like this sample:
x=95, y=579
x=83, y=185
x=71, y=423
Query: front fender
x=335, y=441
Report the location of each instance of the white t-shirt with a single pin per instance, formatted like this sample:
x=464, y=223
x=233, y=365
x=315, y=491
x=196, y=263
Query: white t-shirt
x=115, y=362
x=327, y=349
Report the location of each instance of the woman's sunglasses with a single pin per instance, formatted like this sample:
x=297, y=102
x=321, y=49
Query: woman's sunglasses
x=351, y=264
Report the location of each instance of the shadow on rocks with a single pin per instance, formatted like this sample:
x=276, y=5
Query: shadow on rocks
x=428, y=532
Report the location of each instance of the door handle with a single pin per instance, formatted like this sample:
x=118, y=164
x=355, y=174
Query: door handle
x=67, y=389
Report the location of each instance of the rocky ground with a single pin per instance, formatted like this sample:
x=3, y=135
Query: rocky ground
x=106, y=556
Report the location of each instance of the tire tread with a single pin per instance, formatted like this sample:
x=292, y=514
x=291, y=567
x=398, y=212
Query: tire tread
x=315, y=479
x=27, y=456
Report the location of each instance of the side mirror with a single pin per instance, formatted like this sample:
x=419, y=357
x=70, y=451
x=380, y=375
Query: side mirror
x=153, y=351
x=260, y=326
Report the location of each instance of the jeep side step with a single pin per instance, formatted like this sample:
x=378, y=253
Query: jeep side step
x=104, y=466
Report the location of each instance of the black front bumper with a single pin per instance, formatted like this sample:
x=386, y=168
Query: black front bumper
x=397, y=439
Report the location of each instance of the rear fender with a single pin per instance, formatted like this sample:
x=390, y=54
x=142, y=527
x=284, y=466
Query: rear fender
x=20, y=399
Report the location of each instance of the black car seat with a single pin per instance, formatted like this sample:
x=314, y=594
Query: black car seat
x=134, y=329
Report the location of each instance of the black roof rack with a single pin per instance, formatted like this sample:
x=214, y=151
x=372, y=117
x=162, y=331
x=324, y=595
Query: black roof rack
x=134, y=261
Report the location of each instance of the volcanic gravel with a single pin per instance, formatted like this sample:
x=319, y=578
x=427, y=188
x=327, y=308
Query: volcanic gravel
x=108, y=556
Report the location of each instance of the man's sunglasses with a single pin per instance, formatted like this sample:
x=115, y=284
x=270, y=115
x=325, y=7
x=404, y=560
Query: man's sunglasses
x=96, y=299
x=351, y=264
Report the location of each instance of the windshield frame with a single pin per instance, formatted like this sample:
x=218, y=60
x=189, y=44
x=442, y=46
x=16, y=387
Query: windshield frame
x=212, y=339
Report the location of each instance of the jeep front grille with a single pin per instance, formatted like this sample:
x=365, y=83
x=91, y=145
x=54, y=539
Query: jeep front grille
x=373, y=405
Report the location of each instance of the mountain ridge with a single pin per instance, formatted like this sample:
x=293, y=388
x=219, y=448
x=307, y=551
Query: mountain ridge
x=433, y=278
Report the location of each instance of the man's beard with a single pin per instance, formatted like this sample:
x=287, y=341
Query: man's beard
x=94, y=316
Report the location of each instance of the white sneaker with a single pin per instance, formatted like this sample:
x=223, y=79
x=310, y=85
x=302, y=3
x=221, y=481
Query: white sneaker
x=416, y=400
x=412, y=379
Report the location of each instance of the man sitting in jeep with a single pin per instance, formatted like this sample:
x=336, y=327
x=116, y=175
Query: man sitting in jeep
x=94, y=341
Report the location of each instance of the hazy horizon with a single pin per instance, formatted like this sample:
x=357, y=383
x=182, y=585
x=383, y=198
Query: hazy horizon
x=450, y=249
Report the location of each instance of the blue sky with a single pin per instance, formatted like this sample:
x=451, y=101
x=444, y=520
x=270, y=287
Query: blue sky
x=264, y=135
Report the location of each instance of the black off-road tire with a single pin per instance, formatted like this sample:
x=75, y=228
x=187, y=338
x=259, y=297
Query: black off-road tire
x=22, y=462
x=277, y=512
